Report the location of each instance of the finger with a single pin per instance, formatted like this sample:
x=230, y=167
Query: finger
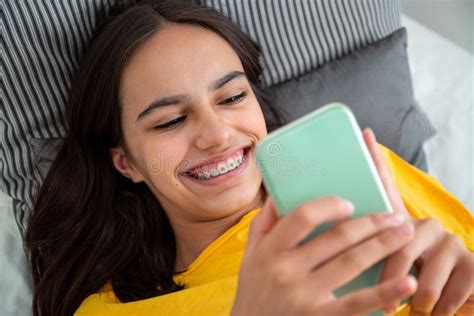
x=298, y=224
x=456, y=292
x=432, y=279
x=354, y=261
x=467, y=308
x=397, y=265
x=341, y=237
x=460, y=284
x=377, y=157
x=262, y=223
x=371, y=299
x=427, y=233
x=392, y=192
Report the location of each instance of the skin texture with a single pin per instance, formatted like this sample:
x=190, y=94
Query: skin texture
x=171, y=63
x=174, y=62
x=446, y=274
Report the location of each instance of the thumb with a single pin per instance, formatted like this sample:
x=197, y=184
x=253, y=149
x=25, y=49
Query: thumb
x=262, y=223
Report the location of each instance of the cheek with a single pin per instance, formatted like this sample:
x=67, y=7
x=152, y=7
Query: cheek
x=162, y=159
x=253, y=121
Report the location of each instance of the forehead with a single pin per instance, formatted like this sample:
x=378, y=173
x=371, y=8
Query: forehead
x=177, y=59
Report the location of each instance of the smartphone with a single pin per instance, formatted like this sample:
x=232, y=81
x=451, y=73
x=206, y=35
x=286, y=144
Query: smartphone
x=323, y=153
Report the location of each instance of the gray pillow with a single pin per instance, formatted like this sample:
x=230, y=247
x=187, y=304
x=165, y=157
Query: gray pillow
x=375, y=83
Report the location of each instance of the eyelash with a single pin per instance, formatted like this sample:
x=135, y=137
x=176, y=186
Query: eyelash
x=174, y=123
x=170, y=124
x=237, y=98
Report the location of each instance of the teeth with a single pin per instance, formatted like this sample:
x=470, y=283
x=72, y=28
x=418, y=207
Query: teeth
x=231, y=163
x=222, y=168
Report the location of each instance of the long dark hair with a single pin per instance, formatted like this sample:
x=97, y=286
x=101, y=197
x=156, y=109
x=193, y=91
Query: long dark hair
x=90, y=225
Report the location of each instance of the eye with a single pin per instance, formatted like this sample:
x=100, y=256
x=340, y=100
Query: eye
x=234, y=99
x=171, y=124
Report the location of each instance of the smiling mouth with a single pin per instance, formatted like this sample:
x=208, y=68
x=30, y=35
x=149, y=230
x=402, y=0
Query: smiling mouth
x=230, y=166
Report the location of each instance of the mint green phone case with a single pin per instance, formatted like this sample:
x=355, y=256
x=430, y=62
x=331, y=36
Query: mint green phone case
x=323, y=153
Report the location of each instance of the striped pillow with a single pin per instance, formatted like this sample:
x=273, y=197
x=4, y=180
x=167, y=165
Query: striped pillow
x=299, y=35
x=44, y=39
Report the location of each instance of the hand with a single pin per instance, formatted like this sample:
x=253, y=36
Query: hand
x=281, y=276
x=445, y=265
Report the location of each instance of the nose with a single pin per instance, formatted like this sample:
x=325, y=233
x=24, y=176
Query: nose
x=213, y=131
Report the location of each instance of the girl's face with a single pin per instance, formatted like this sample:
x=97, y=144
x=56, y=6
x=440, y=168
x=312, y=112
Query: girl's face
x=190, y=122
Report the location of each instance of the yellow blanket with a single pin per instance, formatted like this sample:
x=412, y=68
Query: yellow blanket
x=211, y=280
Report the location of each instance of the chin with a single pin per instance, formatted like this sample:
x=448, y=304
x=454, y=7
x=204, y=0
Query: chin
x=233, y=201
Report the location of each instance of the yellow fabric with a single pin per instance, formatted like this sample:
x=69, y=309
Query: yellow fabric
x=211, y=280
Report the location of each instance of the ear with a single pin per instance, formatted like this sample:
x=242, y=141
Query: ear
x=123, y=165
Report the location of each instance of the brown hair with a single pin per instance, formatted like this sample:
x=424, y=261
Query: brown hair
x=90, y=225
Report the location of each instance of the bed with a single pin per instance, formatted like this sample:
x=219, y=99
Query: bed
x=444, y=89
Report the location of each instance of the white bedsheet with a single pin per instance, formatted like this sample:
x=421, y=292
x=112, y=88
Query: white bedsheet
x=15, y=279
x=443, y=79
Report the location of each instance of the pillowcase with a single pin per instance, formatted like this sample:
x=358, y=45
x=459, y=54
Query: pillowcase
x=44, y=39
x=375, y=83
x=42, y=44
x=298, y=36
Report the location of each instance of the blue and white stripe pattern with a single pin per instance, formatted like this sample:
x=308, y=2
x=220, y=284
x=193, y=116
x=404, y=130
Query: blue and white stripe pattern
x=43, y=40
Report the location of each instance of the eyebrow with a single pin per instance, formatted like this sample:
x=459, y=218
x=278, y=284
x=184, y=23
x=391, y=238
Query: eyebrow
x=175, y=99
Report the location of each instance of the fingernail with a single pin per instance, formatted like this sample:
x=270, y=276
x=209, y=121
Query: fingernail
x=395, y=219
x=372, y=132
x=404, y=229
x=349, y=206
x=407, y=285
